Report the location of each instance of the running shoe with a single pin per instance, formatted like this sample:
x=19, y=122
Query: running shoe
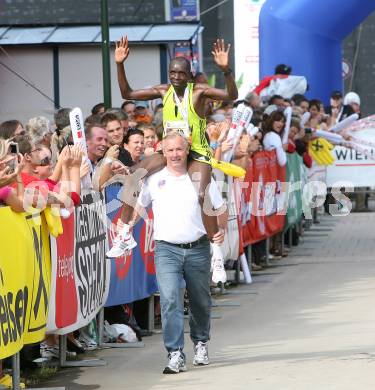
x=123, y=242
x=217, y=264
x=201, y=354
x=176, y=363
x=52, y=351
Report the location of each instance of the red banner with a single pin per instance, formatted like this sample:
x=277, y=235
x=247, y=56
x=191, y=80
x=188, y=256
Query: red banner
x=263, y=198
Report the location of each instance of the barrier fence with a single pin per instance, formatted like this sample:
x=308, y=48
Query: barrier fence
x=59, y=284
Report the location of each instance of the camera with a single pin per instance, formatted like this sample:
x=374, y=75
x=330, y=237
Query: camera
x=13, y=148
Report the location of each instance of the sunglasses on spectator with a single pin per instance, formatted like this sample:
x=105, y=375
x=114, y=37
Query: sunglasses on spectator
x=44, y=162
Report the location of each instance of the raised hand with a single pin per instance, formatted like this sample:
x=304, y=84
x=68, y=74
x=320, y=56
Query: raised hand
x=122, y=50
x=221, y=54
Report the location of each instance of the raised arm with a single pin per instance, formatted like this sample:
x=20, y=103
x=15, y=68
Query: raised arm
x=121, y=54
x=221, y=58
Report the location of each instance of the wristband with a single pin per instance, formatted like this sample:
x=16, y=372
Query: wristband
x=227, y=72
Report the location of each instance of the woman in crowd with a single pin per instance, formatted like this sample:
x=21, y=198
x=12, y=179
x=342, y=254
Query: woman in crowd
x=150, y=138
x=39, y=130
x=274, y=130
x=11, y=128
x=10, y=165
x=317, y=119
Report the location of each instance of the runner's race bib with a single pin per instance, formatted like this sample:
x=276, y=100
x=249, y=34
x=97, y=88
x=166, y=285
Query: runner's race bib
x=179, y=127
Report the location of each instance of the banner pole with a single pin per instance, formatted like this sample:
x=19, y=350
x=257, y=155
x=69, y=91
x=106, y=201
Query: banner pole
x=101, y=327
x=16, y=371
x=76, y=363
x=237, y=275
x=102, y=344
x=151, y=314
x=267, y=251
x=16, y=375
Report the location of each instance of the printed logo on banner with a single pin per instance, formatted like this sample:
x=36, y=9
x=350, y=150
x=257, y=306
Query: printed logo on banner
x=65, y=283
x=39, y=300
x=13, y=308
x=90, y=254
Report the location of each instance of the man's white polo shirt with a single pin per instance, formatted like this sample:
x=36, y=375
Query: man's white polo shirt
x=177, y=213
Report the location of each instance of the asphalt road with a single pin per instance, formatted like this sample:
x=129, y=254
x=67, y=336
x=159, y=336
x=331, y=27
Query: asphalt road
x=307, y=322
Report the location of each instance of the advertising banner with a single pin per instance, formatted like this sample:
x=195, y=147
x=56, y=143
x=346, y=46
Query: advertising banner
x=184, y=10
x=25, y=267
x=355, y=166
x=295, y=178
x=133, y=276
x=263, y=209
x=80, y=271
x=246, y=39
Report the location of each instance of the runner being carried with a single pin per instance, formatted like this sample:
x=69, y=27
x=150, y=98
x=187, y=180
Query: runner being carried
x=183, y=111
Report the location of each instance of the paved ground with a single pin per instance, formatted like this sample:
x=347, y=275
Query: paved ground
x=309, y=323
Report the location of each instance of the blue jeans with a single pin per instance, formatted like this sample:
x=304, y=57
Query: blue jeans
x=173, y=264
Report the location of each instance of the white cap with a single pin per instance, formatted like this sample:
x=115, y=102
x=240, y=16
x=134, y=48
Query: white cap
x=352, y=97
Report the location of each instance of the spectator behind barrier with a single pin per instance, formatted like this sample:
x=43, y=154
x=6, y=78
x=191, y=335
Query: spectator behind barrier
x=61, y=118
x=11, y=165
x=129, y=107
x=121, y=116
x=150, y=138
x=337, y=110
x=134, y=144
x=274, y=130
x=10, y=129
x=98, y=109
x=117, y=158
x=39, y=130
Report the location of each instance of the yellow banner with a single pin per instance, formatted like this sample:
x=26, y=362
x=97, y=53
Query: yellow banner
x=25, y=277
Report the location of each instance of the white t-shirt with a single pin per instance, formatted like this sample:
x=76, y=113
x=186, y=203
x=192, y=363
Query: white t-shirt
x=273, y=141
x=177, y=213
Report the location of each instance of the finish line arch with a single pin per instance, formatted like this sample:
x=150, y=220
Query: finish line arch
x=307, y=34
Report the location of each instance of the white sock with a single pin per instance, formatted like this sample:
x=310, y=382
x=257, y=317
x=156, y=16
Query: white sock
x=216, y=251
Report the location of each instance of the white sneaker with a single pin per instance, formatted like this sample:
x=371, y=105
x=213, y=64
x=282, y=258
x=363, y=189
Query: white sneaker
x=52, y=351
x=176, y=363
x=217, y=265
x=123, y=242
x=201, y=354
x=87, y=342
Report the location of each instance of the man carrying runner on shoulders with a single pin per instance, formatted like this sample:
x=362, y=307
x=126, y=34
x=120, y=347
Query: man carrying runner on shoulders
x=183, y=111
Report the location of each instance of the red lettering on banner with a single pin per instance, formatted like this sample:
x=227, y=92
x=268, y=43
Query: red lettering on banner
x=262, y=208
x=66, y=294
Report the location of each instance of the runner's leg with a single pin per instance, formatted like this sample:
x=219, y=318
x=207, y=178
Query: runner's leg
x=200, y=174
x=129, y=196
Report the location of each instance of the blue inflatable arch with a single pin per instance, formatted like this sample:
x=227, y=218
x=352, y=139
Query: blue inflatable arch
x=307, y=35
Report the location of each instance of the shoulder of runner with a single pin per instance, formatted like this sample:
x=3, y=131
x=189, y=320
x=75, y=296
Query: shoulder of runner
x=162, y=88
